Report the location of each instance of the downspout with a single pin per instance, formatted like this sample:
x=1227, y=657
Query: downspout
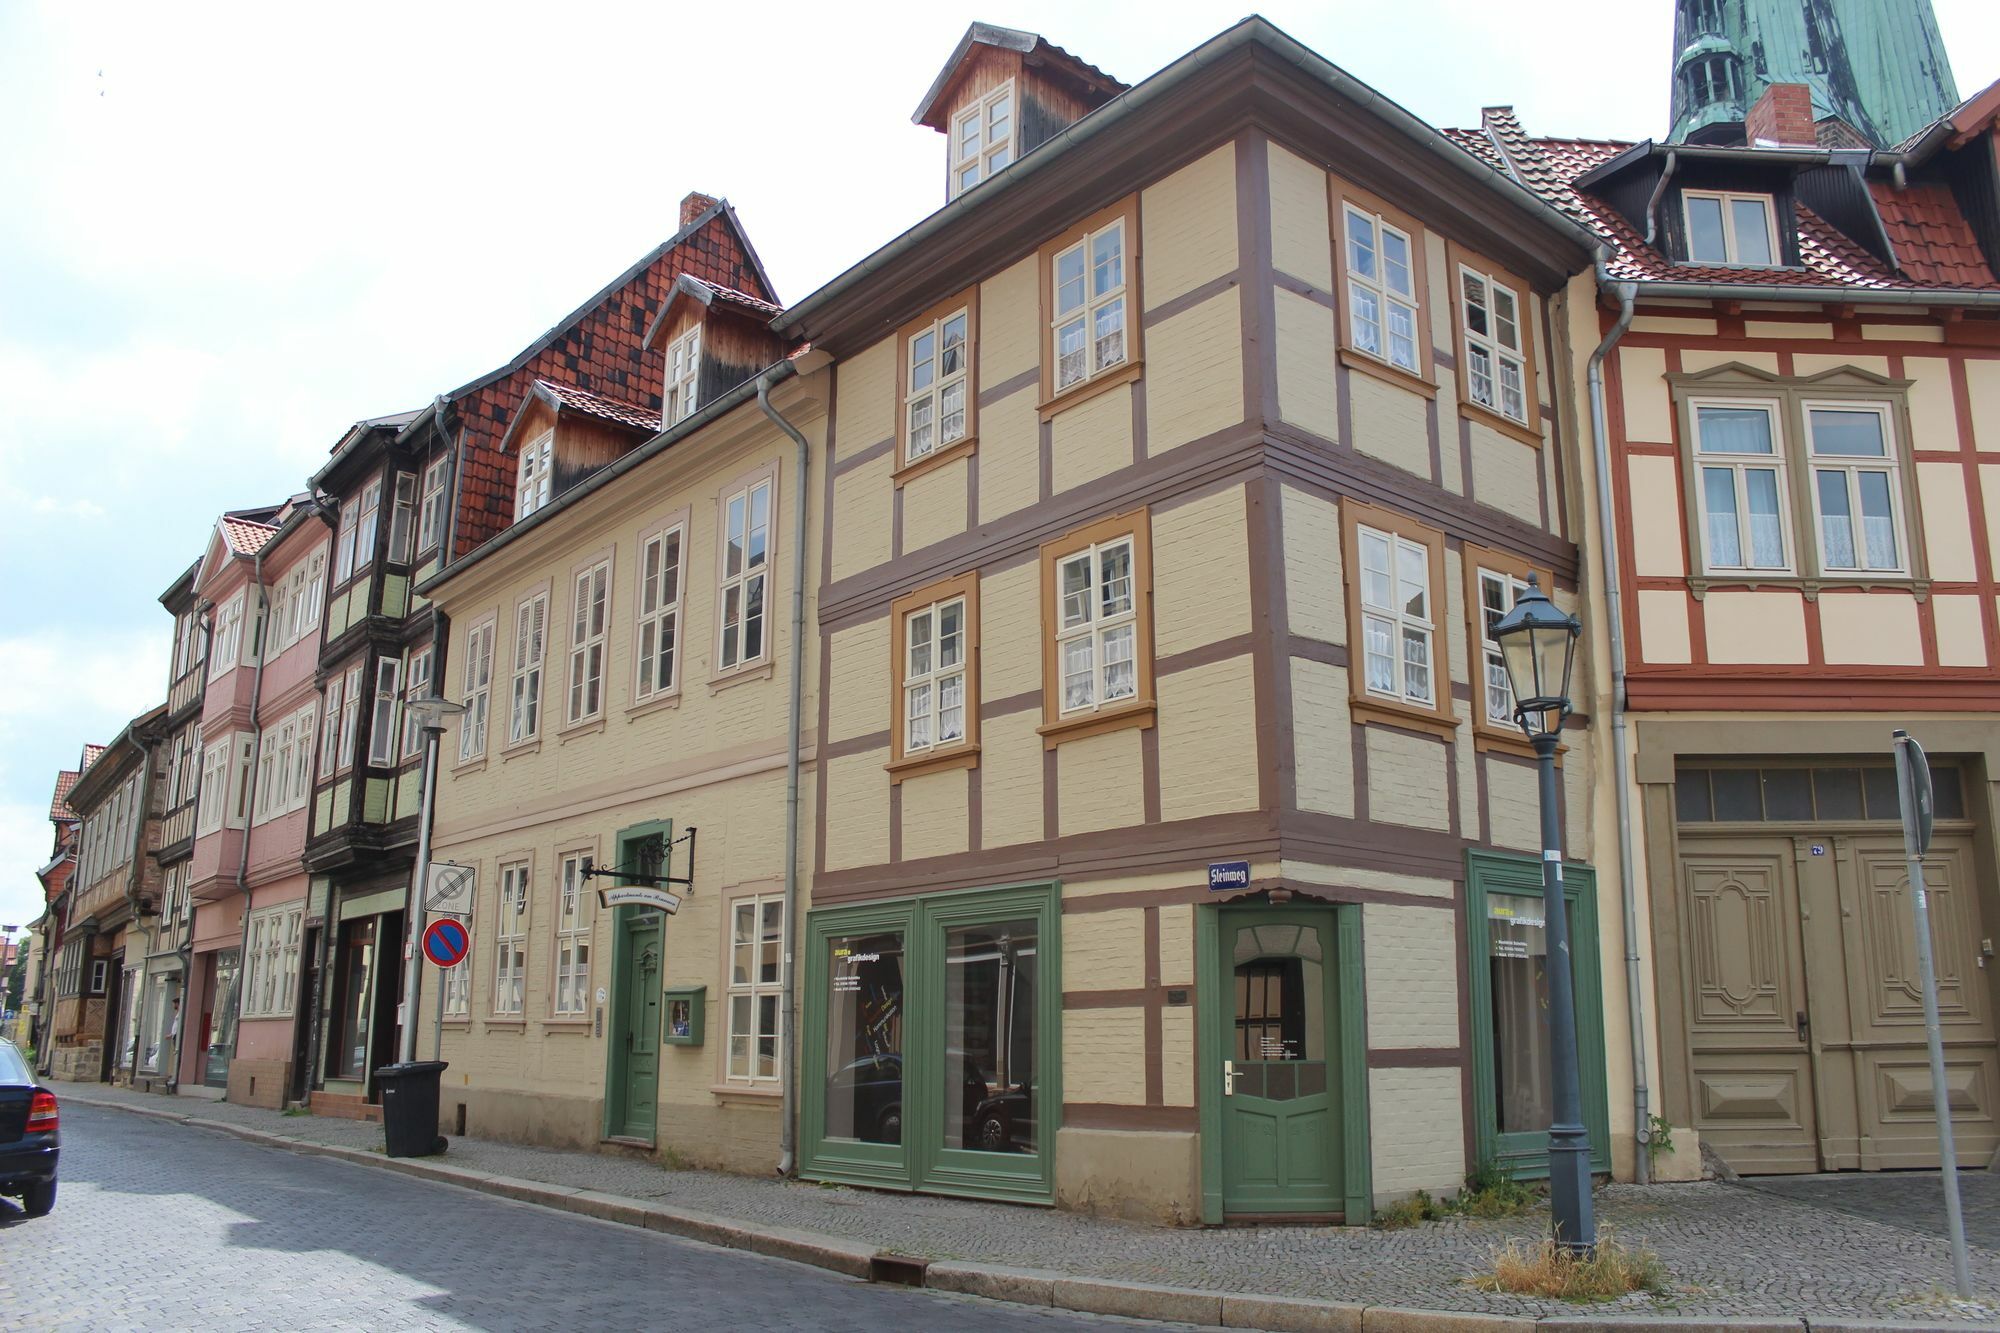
x=788, y=1045
x=449, y=551
x=1652, y=223
x=1621, y=764
x=250, y=782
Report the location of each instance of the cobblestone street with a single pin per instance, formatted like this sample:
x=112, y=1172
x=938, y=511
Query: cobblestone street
x=159, y=1226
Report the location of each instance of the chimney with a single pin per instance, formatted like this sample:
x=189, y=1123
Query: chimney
x=698, y=203
x=1783, y=117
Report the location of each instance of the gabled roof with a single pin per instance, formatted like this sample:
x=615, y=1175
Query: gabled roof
x=244, y=536
x=1031, y=45
x=59, y=810
x=567, y=398
x=690, y=288
x=1554, y=167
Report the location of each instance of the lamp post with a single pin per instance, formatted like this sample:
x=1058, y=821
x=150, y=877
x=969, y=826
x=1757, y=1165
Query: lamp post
x=1538, y=645
x=430, y=715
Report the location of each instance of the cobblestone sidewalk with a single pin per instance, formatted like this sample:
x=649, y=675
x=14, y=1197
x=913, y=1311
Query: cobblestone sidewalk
x=1730, y=1250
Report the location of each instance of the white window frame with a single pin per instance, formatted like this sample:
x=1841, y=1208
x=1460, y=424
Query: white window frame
x=752, y=991
x=1400, y=621
x=1494, y=685
x=212, y=798
x=227, y=637
x=402, y=517
x=301, y=776
x=270, y=964
x=430, y=512
x=239, y=781
x=656, y=666
x=343, y=542
x=1499, y=355
x=477, y=690
x=531, y=651
x=510, y=939
x=416, y=685
x=574, y=923
x=928, y=683
x=1096, y=628
x=928, y=415
x=1731, y=244
x=383, y=710
x=350, y=719
x=368, y=514
x=590, y=623
x=683, y=383
x=533, y=476
x=1850, y=466
x=329, y=741
x=1377, y=287
x=1092, y=306
x=315, y=591
x=733, y=593
x=1737, y=465
x=978, y=152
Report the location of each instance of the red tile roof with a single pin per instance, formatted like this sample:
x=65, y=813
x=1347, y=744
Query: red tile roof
x=596, y=405
x=730, y=296
x=599, y=349
x=65, y=782
x=245, y=537
x=1551, y=166
x=1934, y=242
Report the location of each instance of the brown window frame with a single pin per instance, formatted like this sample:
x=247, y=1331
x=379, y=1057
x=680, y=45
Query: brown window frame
x=908, y=468
x=1363, y=706
x=1140, y=709
x=1340, y=197
x=962, y=753
x=1052, y=401
x=1487, y=734
x=1527, y=304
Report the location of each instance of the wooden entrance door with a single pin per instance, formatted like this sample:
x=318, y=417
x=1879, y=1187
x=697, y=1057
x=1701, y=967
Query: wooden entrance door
x=633, y=1089
x=1281, y=1144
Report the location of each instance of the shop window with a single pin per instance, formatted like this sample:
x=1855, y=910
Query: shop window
x=864, y=1038
x=989, y=1037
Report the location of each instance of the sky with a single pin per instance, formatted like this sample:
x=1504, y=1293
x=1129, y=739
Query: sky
x=228, y=231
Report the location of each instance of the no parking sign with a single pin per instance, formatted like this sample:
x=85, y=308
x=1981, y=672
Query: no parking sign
x=445, y=942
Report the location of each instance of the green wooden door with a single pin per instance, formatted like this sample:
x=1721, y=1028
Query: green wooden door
x=1281, y=1117
x=636, y=1091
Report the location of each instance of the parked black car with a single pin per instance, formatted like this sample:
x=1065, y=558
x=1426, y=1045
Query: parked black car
x=29, y=1141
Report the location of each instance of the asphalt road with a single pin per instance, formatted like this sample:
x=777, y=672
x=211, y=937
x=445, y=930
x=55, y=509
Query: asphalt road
x=160, y=1226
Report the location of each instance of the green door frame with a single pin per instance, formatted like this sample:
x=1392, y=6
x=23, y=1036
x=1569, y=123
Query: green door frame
x=1524, y=1154
x=614, y=1049
x=921, y=1162
x=1350, y=1061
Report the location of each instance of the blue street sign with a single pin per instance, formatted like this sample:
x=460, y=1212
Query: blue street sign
x=1226, y=875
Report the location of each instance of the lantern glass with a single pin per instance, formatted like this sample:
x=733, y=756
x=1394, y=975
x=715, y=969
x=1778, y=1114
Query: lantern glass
x=1538, y=647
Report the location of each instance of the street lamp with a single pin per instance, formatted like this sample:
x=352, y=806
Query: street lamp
x=1538, y=645
x=430, y=714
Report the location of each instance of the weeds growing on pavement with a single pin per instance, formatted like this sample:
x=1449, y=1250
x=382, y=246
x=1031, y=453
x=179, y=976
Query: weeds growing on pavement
x=1541, y=1269
x=1490, y=1192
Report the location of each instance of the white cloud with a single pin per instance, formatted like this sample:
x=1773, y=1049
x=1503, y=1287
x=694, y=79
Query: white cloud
x=76, y=508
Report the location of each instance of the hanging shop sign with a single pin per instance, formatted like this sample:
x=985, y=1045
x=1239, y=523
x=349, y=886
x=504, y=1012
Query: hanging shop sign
x=640, y=895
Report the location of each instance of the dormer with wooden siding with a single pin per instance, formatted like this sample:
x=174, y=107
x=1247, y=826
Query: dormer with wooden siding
x=710, y=338
x=1003, y=94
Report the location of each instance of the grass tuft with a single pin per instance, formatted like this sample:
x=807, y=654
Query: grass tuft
x=1540, y=1269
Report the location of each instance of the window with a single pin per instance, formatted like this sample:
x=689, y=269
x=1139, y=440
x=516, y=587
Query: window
x=478, y=691
x=343, y=542
x=1854, y=488
x=1088, y=302
x=573, y=938
x=329, y=741
x=281, y=611
x=274, y=755
x=1381, y=273
x=1395, y=593
x=756, y=980
x=315, y=591
x=935, y=676
x=350, y=714
x=367, y=511
x=100, y=972
x=532, y=482
x=228, y=638
x=302, y=760
x=402, y=518
x=1097, y=601
x=430, y=521
x=1730, y=229
x=458, y=988
x=530, y=644
x=382, y=720
x=590, y=592
x=1741, y=488
x=1494, y=581
x=683, y=377
x=417, y=685
x=937, y=388
x=271, y=966
x=745, y=574
x=213, y=800
x=1496, y=367
x=510, y=939
x=657, y=660
x=982, y=139
x=239, y=781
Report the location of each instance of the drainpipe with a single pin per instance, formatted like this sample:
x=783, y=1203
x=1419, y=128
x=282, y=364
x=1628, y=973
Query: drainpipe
x=449, y=551
x=250, y=782
x=1653, y=205
x=1627, y=293
x=788, y=1045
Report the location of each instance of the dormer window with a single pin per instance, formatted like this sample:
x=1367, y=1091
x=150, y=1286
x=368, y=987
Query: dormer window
x=533, y=483
x=982, y=138
x=683, y=373
x=1730, y=229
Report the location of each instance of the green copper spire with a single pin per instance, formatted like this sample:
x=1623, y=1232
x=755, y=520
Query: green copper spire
x=1879, y=65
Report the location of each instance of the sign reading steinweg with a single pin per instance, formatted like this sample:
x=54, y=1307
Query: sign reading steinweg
x=1226, y=875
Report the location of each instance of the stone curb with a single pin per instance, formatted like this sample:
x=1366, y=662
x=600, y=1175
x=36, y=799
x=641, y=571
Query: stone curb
x=1020, y=1286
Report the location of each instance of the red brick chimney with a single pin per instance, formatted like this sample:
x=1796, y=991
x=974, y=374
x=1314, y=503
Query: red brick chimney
x=1783, y=115
x=698, y=203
